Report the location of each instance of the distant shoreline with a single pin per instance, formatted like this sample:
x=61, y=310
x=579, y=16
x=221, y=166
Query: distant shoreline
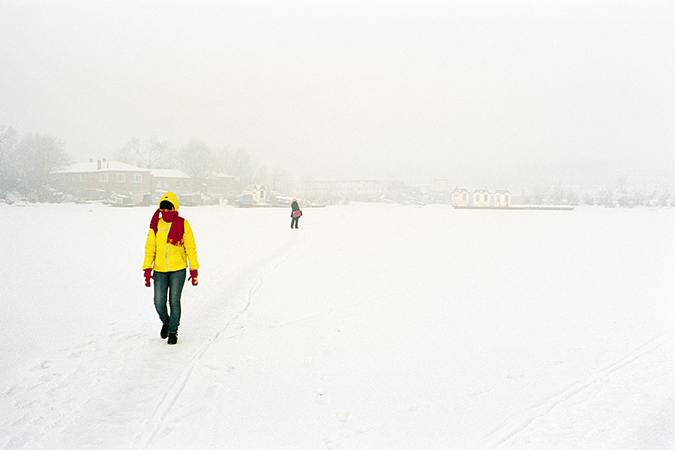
x=521, y=207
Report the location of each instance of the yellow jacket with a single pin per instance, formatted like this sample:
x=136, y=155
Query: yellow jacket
x=164, y=257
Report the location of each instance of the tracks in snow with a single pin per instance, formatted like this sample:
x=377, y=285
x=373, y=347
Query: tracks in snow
x=173, y=393
x=516, y=423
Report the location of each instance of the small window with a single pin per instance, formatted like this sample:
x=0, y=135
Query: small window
x=138, y=178
x=103, y=177
x=121, y=178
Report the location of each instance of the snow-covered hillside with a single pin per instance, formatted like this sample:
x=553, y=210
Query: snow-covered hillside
x=371, y=327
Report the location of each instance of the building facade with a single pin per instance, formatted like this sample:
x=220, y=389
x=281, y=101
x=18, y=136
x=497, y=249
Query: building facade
x=96, y=180
x=173, y=180
x=481, y=198
x=502, y=199
x=461, y=197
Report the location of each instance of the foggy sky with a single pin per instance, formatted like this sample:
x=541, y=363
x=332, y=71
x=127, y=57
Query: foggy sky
x=465, y=90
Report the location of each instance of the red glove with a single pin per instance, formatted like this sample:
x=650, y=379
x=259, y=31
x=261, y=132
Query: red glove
x=148, y=276
x=193, y=277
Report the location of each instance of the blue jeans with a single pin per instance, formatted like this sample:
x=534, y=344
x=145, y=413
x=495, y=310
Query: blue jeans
x=171, y=283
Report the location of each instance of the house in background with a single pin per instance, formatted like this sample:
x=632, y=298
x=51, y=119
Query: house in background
x=481, y=198
x=258, y=193
x=253, y=195
x=172, y=180
x=222, y=185
x=461, y=197
x=121, y=183
x=502, y=198
x=97, y=180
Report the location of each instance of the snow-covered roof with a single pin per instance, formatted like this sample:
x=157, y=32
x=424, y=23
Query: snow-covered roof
x=222, y=175
x=105, y=166
x=168, y=173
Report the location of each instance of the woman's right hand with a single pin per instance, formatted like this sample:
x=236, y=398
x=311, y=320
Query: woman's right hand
x=148, y=276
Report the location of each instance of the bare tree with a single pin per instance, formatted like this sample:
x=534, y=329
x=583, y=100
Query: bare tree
x=199, y=161
x=282, y=180
x=153, y=154
x=8, y=143
x=243, y=165
x=606, y=197
x=35, y=157
x=557, y=194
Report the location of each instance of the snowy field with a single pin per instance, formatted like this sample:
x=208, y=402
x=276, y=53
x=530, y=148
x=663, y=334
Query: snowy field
x=371, y=327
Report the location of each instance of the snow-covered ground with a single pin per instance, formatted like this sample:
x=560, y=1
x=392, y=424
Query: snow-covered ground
x=371, y=327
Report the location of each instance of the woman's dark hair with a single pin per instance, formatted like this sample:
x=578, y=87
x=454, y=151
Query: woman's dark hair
x=166, y=205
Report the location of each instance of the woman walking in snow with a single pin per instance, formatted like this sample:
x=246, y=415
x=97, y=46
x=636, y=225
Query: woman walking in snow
x=168, y=249
x=295, y=214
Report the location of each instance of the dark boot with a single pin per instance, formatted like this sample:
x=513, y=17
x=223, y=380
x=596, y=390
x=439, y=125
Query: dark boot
x=173, y=339
x=164, y=332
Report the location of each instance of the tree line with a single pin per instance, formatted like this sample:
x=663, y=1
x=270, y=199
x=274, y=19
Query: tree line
x=26, y=162
x=201, y=161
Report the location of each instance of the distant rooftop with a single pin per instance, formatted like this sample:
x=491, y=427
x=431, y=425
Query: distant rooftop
x=168, y=173
x=100, y=166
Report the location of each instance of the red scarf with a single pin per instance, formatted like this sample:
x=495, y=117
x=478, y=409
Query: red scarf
x=175, y=236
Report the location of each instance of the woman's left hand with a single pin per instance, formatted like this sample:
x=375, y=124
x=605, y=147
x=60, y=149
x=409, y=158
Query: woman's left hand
x=193, y=277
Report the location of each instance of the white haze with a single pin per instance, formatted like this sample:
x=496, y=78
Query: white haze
x=464, y=90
